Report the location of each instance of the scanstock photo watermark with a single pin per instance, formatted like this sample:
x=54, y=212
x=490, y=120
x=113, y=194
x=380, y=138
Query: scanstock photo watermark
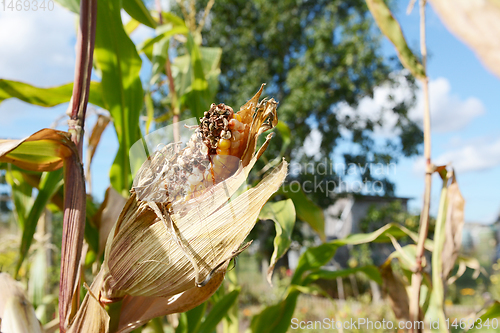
x=330, y=178
x=365, y=323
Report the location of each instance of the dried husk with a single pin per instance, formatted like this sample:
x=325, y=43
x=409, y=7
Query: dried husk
x=138, y=310
x=147, y=262
x=144, y=260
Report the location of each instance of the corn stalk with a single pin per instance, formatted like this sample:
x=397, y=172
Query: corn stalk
x=416, y=280
x=74, y=189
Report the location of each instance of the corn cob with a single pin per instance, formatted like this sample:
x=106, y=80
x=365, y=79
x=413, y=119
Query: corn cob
x=212, y=155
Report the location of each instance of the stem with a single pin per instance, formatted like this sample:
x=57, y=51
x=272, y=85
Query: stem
x=74, y=189
x=424, y=217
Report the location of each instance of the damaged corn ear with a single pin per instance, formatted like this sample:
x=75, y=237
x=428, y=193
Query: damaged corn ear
x=179, y=227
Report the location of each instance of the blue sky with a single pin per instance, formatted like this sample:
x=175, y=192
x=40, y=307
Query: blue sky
x=38, y=47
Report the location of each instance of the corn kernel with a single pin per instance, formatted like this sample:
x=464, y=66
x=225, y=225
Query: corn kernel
x=222, y=151
x=224, y=144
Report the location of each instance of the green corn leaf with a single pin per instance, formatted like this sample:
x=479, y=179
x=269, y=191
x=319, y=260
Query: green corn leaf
x=197, y=98
x=392, y=30
x=163, y=31
x=120, y=64
x=44, y=150
x=283, y=215
x=49, y=184
x=160, y=54
x=46, y=97
x=150, y=111
x=370, y=271
x=91, y=233
x=436, y=306
x=138, y=11
x=316, y=257
x=286, y=136
x=131, y=26
x=182, y=326
x=169, y=17
x=194, y=317
x=39, y=273
x=276, y=318
x=218, y=311
x=306, y=210
x=72, y=5
x=485, y=319
x=21, y=195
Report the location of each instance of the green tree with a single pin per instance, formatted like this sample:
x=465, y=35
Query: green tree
x=314, y=56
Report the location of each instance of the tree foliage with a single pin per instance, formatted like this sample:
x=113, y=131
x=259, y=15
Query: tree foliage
x=316, y=57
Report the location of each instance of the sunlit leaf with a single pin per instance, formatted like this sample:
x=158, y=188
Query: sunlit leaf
x=46, y=97
x=197, y=98
x=392, y=30
x=150, y=111
x=138, y=11
x=131, y=26
x=117, y=58
x=43, y=151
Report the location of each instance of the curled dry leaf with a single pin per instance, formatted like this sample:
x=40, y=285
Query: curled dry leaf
x=453, y=227
x=182, y=225
x=395, y=290
x=108, y=213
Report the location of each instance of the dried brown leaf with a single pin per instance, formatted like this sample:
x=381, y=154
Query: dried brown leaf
x=395, y=289
x=92, y=317
x=108, y=214
x=453, y=227
x=137, y=310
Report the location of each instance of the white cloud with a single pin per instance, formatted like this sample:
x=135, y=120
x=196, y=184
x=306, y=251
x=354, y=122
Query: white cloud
x=478, y=155
x=378, y=108
x=448, y=111
x=312, y=143
x=38, y=46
